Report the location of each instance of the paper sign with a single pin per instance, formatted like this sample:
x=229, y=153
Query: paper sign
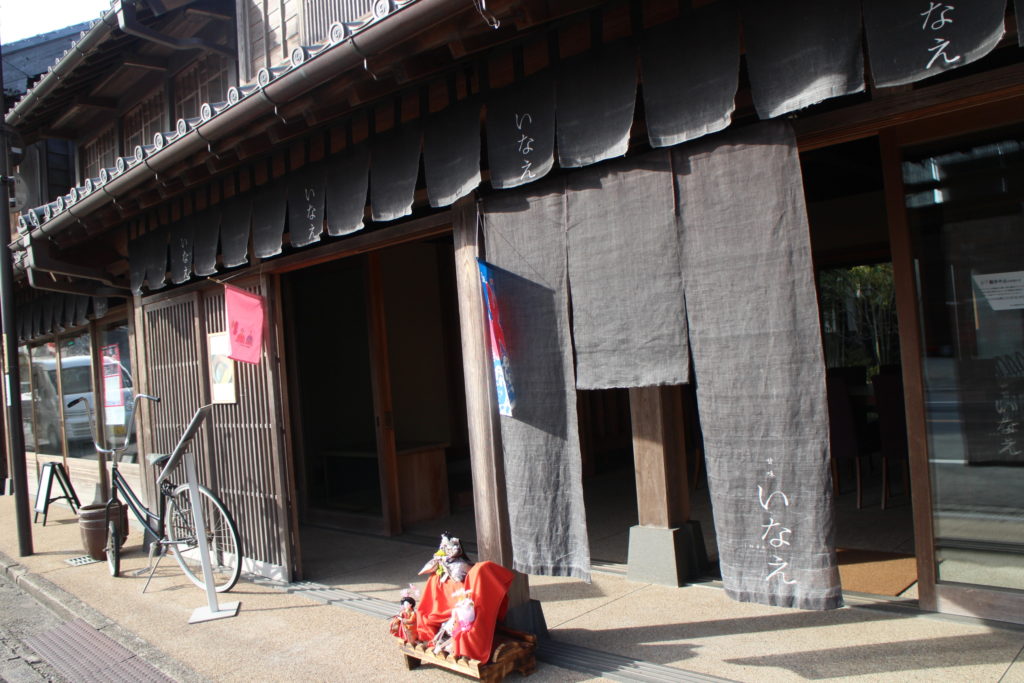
x=1003, y=291
x=113, y=385
x=244, y=312
x=222, y=369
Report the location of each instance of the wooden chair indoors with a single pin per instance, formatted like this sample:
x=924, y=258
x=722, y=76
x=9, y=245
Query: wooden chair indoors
x=892, y=425
x=843, y=441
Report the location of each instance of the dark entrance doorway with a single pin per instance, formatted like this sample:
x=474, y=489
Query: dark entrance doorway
x=377, y=407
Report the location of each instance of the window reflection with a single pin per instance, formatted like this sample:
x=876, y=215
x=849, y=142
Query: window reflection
x=46, y=400
x=76, y=382
x=27, y=421
x=965, y=209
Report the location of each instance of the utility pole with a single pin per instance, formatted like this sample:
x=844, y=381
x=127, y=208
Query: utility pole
x=12, y=371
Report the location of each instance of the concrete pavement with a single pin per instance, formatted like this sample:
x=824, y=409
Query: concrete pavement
x=609, y=629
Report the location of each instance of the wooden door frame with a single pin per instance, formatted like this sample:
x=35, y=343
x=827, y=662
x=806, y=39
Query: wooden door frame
x=933, y=595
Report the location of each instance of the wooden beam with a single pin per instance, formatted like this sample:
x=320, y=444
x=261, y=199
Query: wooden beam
x=659, y=453
x=865, y=120
x=138, y=61
x=107, y=103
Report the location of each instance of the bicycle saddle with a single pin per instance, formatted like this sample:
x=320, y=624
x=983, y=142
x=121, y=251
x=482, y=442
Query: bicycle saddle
x=158, y=458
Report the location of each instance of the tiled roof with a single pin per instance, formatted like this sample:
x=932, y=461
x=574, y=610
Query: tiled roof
x=340, y=32
x=26, y=59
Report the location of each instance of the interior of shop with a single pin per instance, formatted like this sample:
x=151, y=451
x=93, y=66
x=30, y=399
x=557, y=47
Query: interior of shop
x=373, y=347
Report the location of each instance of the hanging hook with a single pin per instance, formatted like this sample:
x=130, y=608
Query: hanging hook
x=490, y=19
x=366, y=60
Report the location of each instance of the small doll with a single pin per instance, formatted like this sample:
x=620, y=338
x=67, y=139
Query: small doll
x=461, y=620
x=449, y=561
x=403, y=624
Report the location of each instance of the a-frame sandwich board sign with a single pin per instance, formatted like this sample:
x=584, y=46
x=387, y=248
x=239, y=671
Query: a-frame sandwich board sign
x=53, y=471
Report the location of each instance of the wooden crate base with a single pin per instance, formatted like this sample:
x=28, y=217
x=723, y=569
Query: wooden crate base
x=513, y=651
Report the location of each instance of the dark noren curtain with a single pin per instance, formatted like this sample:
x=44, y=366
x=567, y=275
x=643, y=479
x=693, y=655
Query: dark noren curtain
x=525, y=238
x=691, y=70
x=235, y=224
x=629, y=323
x=801, y=52
x=595, y=101
x=910, y=40
x=394, y=167
x=347, y=179
x=451, y=152
x=521, y=131
x=760, y=374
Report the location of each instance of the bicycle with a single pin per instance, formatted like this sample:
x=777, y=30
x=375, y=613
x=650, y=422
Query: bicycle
x=171, y=525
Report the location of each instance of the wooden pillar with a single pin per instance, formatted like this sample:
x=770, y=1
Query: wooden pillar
x=666, y=547
x=493, y=532
x=659, y=454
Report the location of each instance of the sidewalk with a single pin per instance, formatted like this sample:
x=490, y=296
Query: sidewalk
x=305, y=633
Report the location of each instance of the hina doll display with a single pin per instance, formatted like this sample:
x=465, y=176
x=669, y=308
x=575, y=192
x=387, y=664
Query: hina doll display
x=461, y=603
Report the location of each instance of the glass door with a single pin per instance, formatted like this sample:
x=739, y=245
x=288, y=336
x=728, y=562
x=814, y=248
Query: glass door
x=963, y=200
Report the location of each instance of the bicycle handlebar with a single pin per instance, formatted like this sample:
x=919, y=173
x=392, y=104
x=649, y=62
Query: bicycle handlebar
x=129, y=423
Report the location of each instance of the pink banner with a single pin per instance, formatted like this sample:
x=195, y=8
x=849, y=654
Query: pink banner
x=244, y=312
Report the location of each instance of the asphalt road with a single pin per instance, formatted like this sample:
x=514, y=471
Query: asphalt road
x=21, y=617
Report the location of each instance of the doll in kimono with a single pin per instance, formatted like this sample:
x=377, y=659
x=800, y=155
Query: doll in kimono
x=403, y=624
x=449, y=561
x=461, y=620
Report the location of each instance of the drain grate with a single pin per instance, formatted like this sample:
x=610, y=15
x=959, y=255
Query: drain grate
x=82, y=654
x=80, y=561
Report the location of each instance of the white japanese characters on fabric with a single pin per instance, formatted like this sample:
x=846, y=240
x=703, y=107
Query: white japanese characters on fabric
x=936, y=18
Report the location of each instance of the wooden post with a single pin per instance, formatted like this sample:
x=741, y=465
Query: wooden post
x=666, y=547
x=494, y=540
x=382, y=403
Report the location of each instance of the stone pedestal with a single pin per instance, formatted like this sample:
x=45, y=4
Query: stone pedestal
x=668, y=557
x=527, y=617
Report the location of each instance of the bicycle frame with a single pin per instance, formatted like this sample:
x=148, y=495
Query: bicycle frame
x=152, y=522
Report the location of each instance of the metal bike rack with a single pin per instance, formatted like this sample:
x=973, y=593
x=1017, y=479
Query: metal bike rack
x=211, y=610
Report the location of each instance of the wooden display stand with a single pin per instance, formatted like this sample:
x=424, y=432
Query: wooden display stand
x=513, y=651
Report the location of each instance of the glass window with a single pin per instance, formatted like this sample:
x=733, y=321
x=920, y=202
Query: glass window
x=143, y=122
x=206, y=80
x=27, y=422
x=76, y=382
x=964, y=204
x=100, y=152
x=858, y=310
x=46, y=400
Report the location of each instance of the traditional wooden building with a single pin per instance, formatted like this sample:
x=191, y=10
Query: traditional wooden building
x=656, y=191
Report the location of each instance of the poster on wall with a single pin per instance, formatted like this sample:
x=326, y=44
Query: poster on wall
x=222, y=369
x=113, y=386
x=499, y=352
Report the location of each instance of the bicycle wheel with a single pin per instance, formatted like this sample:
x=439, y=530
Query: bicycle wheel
x=113, y=549
x=221, y=538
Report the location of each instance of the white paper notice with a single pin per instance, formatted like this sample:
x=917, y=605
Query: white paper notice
x=1003, y=291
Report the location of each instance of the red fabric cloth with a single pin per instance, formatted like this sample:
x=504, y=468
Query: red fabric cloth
x=244, y=312
x=487, y=584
